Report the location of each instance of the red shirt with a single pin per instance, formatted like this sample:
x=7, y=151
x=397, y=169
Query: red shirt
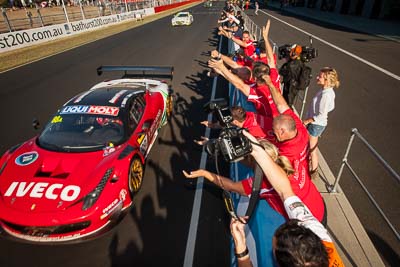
x=296, y=150
x=260, y=96
x=252, y=126
x=266, y=125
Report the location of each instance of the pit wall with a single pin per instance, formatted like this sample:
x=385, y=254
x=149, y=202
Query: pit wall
x=264, y=220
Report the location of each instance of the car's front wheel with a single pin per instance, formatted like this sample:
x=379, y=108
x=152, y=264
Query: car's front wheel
x=136, y=173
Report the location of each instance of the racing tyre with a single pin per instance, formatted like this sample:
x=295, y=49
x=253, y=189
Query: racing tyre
x=169, y=106
x=136, y=173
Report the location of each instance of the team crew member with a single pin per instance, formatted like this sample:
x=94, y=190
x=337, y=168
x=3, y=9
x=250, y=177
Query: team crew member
x=242, y=119
x=245, y=43
x=301, y=241
x=293, y=142
x=259, y=93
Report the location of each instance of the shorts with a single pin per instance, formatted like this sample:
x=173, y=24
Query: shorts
x=315, y=130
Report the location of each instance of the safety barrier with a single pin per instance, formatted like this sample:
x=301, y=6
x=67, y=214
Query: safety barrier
x=333, y=188
x=265, y=220
x=17, y=39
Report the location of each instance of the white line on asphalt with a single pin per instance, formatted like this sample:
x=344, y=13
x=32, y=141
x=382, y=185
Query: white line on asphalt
x=191, y=242
x=338, y=48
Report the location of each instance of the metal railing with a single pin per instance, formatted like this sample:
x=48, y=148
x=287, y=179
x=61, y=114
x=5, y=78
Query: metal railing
x=302, y=98
x=333, y=188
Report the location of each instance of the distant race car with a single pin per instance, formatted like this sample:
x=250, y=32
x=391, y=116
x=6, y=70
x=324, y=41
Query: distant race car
x=78, y=177
x=182, y=18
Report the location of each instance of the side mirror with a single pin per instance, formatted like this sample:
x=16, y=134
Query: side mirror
x=35, y=124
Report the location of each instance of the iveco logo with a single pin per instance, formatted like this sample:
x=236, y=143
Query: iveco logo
x=26, y=158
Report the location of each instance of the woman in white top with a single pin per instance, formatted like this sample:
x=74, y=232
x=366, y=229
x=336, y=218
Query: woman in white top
x=322, y=103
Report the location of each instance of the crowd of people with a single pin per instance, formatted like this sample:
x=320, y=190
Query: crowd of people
x=283, y=146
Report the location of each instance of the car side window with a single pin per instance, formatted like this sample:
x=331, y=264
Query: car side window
x=136, y=111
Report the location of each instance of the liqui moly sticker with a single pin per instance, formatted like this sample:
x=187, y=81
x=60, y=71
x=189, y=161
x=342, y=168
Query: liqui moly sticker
x=100, y=110
x=26, y=158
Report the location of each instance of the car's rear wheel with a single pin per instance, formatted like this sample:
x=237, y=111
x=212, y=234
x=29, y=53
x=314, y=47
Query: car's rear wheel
x=136, y=173
x=169, y=106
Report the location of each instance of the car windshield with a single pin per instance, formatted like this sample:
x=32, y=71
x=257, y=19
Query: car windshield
x=182, y=15
x=81, y=132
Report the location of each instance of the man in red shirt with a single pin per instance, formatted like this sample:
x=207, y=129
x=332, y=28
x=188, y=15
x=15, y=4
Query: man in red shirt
x=293, y=142
x=245, y=43
x=259, y=93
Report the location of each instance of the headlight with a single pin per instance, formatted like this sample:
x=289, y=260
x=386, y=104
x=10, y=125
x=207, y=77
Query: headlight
x=92, y=197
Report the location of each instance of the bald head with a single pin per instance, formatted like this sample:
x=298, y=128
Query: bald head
x=284, y=127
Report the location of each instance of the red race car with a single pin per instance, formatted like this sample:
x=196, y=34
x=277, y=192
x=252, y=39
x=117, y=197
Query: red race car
x=79, y=175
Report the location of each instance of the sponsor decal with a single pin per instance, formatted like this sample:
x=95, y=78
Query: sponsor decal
x=144, y=145
x=140, y=138
x=156, y=123
x=296, y=205
x=101, y=110
x=57, y=119
x=111, y=208
x=108, y=150
x=122, y=194
x=43, y=238
x=26, y=158
x=46, y=190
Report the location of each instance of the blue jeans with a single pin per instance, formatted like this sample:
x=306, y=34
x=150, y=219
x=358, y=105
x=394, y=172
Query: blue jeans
x=315, y=130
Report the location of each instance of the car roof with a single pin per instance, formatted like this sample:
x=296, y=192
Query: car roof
x=105, y=96
x=183, y=13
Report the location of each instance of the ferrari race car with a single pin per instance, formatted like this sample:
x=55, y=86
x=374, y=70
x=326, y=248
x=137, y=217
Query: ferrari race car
x=78, y=177
x=182, y=18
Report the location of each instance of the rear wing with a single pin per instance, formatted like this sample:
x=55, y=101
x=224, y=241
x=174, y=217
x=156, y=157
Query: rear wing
x=140, y=71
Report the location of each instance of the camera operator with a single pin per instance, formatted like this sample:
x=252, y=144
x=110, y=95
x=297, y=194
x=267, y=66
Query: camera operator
x=241, y=119
x=292, y=141
x=301, y=241
x=290, y=72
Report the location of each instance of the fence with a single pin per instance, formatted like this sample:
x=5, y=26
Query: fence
x=29, y=18
x=333, y=188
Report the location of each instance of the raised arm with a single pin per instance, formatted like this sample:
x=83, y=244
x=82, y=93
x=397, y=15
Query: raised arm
x=227, y=60
x=218, y=180
x=238, y=41
x=274, y=173
x=219, y=66
x=280, y=102
x=268, y=47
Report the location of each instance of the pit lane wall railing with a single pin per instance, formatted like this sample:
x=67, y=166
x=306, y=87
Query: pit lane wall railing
x=265, y=220
x=17, y=39
x=345, y=163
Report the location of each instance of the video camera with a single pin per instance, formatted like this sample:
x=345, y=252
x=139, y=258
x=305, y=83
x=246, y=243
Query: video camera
x=231, y=143
x=221, y=110
x=307, y=53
